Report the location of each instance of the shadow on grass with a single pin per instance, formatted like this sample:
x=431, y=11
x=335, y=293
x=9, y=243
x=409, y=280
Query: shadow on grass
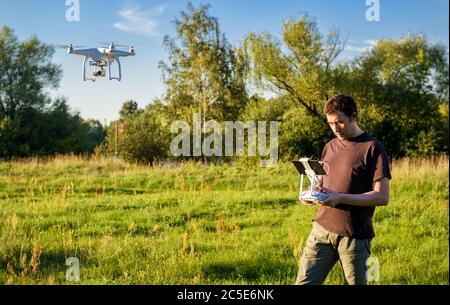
x=283, y=202
x=49, y=261
x=115, y=191
x=258, y=270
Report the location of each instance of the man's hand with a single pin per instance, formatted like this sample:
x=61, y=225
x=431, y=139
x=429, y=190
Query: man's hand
x=379, y=196
x=333, y=197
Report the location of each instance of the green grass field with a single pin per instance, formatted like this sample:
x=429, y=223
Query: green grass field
x=131, y=224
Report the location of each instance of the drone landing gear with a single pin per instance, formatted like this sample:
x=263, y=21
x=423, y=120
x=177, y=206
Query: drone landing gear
x=120, y=71
x=85, y=78
x=101, y=70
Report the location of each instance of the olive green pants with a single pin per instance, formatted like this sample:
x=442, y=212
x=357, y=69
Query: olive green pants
x=323, y=249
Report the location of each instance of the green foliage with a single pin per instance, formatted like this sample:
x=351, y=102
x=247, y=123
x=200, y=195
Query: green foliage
x=30, y=122
x=399, y=90
x=408, y=62
x=260, y=109
x=95, y=132
x=25, y=70
x=128, y=108
x=399, y=86
x=51, y=131
x=204, y=73
x=304, y=72
x=302, y=135
x=142, y=136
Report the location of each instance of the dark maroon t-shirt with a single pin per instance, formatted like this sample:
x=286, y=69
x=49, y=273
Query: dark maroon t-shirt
x=353, y=166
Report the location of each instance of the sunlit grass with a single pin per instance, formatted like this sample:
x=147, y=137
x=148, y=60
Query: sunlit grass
x=191, y=224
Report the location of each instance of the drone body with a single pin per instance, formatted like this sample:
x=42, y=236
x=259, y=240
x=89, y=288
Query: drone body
x=99, y=58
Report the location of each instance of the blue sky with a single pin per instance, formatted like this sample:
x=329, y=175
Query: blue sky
x=144, y=24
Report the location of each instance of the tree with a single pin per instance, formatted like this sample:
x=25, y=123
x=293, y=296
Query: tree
x=25, y=71
x=204, y=74
x=260, y=109
x=402, y=87
x=55, y=130
x=300, y=134
x=30, y=122
x=144, y=137
x=96, y=133
x=128, y=108
x=305, y=72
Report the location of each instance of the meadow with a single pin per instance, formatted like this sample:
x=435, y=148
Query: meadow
x=195, y=224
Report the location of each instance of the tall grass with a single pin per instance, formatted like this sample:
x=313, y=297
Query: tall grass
x=191, y=224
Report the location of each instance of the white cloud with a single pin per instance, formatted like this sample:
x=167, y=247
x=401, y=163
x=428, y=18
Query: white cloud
x=371, y=42
x=135, y=20
x=357, y=49
x=361, y=46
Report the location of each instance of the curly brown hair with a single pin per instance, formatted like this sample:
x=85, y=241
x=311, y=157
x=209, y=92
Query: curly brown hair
x=343, y=103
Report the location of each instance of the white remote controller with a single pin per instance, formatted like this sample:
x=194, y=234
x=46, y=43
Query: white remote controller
x=306, y=195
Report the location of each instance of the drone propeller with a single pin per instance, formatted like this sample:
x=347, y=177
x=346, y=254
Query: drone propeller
x=115, y=44
x=65, y=46
x=131, y=47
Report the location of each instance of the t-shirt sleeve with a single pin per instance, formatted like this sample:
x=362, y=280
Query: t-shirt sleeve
x=380, y=162
x=324, y=151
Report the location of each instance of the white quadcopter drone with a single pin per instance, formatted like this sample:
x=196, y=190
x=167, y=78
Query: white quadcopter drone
x=100, y=58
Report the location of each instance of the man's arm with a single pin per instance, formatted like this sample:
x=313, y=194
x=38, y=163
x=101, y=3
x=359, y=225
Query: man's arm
x=378, y=197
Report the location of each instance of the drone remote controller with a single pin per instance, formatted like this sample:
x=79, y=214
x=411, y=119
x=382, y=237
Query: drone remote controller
x=316, y=196
x=312, y=169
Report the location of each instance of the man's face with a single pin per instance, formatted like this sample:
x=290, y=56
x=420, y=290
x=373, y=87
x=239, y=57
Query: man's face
x=341, y=125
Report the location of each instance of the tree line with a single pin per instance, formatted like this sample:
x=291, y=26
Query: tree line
x=31, y=123
x=400, y=86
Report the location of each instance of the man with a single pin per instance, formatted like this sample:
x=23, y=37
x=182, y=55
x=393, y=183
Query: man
x=357, y=181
